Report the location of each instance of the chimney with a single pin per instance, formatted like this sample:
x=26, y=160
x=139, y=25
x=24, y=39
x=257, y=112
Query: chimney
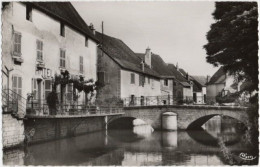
x=207, y=79
x=147, y=57
x=142, y=65
x=177, y=66
x=187, y=76
x=91, y=27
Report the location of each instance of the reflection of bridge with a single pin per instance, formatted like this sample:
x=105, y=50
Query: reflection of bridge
x=187, y=116
x=171, y=141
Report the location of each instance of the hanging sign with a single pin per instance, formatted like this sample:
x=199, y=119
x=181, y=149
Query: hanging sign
x=44, y=73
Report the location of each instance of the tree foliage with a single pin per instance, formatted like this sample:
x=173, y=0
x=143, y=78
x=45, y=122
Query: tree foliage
x=233, y=40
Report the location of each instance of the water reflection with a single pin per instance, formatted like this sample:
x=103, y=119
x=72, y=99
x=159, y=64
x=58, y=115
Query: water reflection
x=169, y=139
x=140, y=146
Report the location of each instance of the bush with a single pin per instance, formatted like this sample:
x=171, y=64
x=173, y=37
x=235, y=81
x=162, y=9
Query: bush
x=230, y=98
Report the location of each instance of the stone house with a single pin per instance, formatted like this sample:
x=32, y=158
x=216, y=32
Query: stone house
x=199, y=89
x=182, y=86
x=44, y=40
x=124, y=75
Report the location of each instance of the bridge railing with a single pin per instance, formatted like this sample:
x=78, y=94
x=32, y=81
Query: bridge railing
x=167, y=100
x=40, y=107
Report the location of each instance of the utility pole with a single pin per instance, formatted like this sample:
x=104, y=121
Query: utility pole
x=102, y=26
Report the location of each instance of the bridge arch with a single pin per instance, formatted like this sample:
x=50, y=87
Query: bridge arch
x=125, y=119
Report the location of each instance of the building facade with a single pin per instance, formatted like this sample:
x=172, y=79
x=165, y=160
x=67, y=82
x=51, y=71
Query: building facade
x=221, y=84
x=124, y=76
x=41, y=41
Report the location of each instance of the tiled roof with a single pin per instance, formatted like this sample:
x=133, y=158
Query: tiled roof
x=123, y=55
x=185, y=84
x=183, y=72
x=158, y=65
x=216, y=78
x=176, y=73
x=65, y=12
x=201, y=79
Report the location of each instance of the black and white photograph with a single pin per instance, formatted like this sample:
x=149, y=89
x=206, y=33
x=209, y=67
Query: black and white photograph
x=129, y=83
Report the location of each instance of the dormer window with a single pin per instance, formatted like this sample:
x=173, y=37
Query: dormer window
x=62, y=29
x=29, y=12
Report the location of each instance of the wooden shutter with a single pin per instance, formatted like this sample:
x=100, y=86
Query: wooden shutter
x=39, y=50
x=81, y=64
x=17, y=43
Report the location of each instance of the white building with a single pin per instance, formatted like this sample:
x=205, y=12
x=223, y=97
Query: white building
x=41, y=40
x=124, y=75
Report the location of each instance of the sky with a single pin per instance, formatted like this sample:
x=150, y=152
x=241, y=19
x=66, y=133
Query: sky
x=174, y=30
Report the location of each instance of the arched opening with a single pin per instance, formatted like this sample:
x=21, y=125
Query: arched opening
x=129, y=129
x=122, y=123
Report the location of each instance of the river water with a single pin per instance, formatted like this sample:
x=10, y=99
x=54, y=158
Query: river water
x=140, y=146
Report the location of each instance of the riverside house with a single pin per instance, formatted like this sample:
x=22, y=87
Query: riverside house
x=125, y=76
x=42, y=42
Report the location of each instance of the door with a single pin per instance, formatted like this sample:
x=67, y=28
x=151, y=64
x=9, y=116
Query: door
x=195, y=97
x=39, y=82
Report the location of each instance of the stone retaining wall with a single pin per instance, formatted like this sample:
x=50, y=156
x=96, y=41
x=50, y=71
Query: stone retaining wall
x=55, y=128
x=12, y=131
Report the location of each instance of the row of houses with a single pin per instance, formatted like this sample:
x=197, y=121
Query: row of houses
x=47, y=47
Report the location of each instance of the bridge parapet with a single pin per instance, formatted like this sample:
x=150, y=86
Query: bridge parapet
x=186, y=114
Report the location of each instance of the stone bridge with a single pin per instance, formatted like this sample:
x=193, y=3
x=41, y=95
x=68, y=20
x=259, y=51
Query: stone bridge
x=188, y=117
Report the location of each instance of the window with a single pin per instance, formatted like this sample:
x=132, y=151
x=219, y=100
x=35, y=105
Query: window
x=141, y=80
x=103, y=78
x=86, y=41
x=62, y=29
x=152, y=83
x=174, y=83
x=132, y=78
x=17, y=86
x=47, y=88
x=81, y=64
x=34, y=88
x=17, y=44
x=166, y=82
x=29, y=12
x=39, y=50
x=62, y=58
x=70, y=92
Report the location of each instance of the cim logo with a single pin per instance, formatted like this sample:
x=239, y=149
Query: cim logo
x=247, y=157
